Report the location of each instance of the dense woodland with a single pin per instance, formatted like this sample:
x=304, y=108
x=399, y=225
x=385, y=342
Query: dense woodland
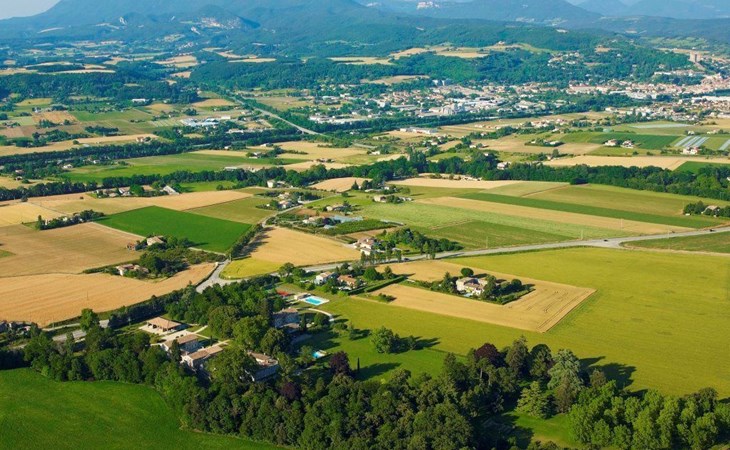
x=327, y=406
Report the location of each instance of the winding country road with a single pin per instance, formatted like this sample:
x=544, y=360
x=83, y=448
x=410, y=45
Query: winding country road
x=614, y=243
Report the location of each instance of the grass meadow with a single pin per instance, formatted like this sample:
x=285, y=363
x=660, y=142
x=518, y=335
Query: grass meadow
x=40, y=413
x=695, y=166
x=715, y=243
x=478, y=225
x=205, y=232
x=654, y=322
x=164, y=165
x=244, y=211
x=678, y=220
x=644, y=141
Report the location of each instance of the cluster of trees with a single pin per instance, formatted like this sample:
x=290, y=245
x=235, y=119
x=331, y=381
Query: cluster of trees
x=173, y=256
x=606, y=416
x=492, y=289
x=708, y=210
x=418, y=241
x=88, y=215
x=386, y=340
x=121, y=86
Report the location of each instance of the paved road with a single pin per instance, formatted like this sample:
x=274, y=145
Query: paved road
x=276, y=116
x=615, y=243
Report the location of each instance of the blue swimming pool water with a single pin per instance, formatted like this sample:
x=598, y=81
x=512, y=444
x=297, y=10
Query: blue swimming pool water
x=316, y=301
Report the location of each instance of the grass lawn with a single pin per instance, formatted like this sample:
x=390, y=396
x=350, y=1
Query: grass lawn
x=206, y=232
x=40, y=413
x=378, y=365
x=676, y=220
x=654, y=322
x=244, y=211
x=717, y=243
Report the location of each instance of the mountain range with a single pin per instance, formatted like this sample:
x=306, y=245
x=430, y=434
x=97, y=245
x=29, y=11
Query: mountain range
x=361, y=21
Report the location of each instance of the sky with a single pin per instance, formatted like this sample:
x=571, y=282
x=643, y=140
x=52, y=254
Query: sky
x=15, y=8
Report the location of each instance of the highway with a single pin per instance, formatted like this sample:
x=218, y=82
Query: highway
x=614, y=243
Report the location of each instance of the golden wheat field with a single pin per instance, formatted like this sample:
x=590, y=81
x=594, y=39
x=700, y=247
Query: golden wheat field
x=338, y=184
x=537, y=311
x=49, y=298
x=277, y=246
x=17, y=213
x=63, y=250
x=664, y=162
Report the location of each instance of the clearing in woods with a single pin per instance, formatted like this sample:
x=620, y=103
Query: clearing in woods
x=50, y=298
x=537, y=311
x=663, y=162
x=63, y=250
x=129, y=413
x=280, y=245
x=207, y=233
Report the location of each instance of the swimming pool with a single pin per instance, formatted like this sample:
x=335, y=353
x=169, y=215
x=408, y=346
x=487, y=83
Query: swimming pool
x=316, y=301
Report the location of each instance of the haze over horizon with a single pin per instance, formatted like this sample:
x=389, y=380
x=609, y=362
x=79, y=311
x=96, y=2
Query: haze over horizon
x=12, y=8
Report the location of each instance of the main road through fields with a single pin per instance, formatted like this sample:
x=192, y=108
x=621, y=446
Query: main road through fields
x=615, y=243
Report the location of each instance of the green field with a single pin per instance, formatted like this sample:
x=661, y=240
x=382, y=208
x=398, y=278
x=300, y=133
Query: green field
x=206, y=232
x=507, y=230
x=643, y=141
x=531, y=202
x=695, y=166
x=206, y=186
x=244, y=211
x=622, y=199
x=165, y=165
x=654, y=322
x=40, y=413
x=715, y=243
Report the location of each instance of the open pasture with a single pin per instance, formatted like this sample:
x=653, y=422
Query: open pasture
x=643, y=141
x=537, y=311
x=62, y=250
x=500, y=229
x=453, y=184
x=244, y=211
x=180, y=62
x=72, y=203
x=632, y=220
x=277, y=246
x=213, y=103
x=338, y=184
x=646, y=315
x=695, y=166
x=519, y=144
x=163, y=165
x=69, y=415
x=283, y=103
x=49, y=298
x=205, y=232
x=629, y=200
x=710, y=243
x=537, y=211
x=319, y=150
x=362, y=60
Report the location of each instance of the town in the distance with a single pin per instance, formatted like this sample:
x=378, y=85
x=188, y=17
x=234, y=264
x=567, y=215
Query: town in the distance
x=355, y=224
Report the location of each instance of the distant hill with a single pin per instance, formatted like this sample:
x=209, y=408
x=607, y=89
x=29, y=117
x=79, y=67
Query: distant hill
x=680, y=9
x=605, y=7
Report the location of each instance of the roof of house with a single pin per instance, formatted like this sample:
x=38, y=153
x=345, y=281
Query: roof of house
x=205, y=353
x=161, y=322
x=184, y=339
